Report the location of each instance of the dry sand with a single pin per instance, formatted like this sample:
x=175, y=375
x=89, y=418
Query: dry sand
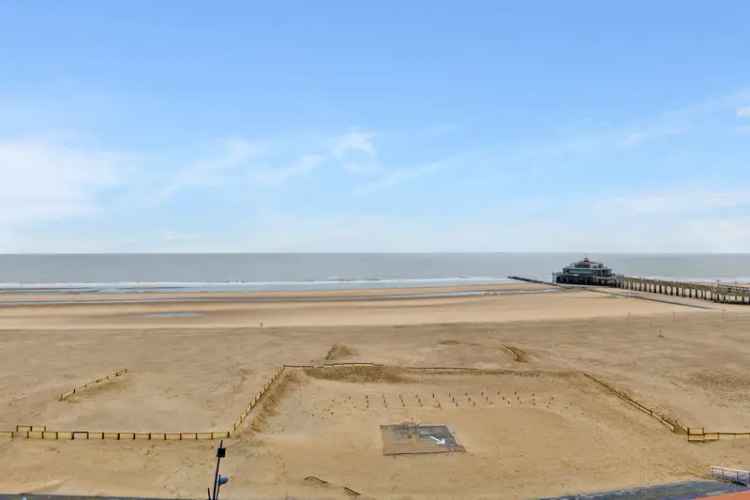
x=560, y=434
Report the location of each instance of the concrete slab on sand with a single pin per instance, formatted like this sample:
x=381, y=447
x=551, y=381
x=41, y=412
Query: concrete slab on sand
x=407, y=438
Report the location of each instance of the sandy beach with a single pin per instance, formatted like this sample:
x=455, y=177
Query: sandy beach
x=532, y=423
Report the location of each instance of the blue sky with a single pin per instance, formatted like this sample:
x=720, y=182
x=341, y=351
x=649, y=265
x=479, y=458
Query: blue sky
x=381, y=126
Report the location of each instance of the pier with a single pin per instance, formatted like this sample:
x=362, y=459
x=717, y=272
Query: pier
x=723, y=293
x=714, y=292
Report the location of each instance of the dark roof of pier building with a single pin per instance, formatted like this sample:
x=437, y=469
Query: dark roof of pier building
x=587, y=264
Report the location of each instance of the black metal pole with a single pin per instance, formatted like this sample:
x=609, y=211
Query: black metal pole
x=216, y=474
x=216, y=479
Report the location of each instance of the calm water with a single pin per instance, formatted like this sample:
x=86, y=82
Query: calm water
x=331, y=271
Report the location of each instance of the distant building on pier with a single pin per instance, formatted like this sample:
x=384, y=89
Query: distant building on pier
x=587, y=272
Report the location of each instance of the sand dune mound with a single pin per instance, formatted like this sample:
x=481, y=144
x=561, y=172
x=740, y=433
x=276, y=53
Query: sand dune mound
x=339, y=351
x=519, y=355
x=359, y=374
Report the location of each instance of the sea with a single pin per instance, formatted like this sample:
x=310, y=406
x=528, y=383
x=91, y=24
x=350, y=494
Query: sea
x=103, y=273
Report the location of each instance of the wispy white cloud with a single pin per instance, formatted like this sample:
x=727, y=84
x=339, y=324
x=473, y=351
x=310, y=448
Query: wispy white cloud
x=645, y=134
x=354, y=142
x=654, y=225
x=398, y=176
x=676, y=219
x=276, y=176
x=231, y=155
x=743, y=112
x=650, y=129
x=686, y=200
x=42, y=181
x=271, y=164
x=364, y=168
x=357, y=154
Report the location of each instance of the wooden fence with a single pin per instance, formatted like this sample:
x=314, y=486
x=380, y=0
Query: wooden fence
x=694, y=434
x=671, y=423
x=256, y=399
x=699, y=435
x=40, y=432
x=36, y=432
x=77, y=389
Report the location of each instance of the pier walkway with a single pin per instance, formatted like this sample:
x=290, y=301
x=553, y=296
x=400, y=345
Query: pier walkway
x=722, y=293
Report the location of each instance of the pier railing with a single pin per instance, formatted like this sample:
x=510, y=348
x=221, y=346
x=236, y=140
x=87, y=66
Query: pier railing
x=718, y=292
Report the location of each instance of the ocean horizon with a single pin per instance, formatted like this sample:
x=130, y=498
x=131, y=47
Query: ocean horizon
x=332, y=271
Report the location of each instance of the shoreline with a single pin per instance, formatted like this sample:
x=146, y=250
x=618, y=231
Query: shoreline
x=243, y=287
x=275, y=296
x=374, y=307
x=302, y=287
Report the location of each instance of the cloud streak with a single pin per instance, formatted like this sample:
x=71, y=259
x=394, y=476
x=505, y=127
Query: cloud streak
x=270, y=164
x=685, y=201
x=232, y=154
x=394, y=177
x=277, y=176
x=354, y=142
x=43, y=181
